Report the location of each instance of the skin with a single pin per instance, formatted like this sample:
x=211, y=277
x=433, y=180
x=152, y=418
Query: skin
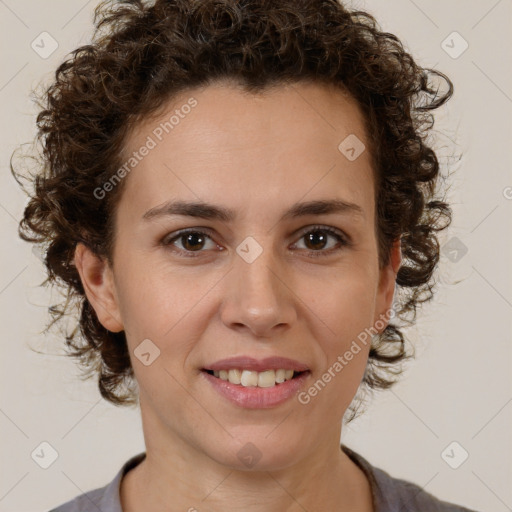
x=256, y=154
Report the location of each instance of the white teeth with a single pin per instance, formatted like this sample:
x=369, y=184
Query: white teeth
x=267, y=379
x=280, y=375
x=234, y=376
x=248, y=378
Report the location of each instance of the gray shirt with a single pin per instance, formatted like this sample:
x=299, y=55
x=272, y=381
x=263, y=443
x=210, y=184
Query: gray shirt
x=389, y=494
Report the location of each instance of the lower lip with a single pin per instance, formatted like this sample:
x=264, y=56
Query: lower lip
x=254, y=397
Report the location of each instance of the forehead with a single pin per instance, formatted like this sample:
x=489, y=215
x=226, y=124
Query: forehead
x=220, y=141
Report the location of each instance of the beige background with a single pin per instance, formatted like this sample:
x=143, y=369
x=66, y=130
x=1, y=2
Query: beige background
x=458, y=389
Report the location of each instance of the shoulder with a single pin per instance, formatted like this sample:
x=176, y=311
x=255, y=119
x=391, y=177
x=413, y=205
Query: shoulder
x=89, y=501
x=409, y=496
x=395, y=494
x=106, y=499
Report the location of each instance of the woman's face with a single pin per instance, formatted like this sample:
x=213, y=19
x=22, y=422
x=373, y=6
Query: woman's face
x=260, y=284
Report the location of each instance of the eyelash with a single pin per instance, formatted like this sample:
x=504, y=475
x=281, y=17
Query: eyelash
x=343, y=240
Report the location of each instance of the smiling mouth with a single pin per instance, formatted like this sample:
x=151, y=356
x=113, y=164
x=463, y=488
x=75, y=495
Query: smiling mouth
x=248, y=378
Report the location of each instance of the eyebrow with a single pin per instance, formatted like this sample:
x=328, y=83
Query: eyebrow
x=202, y=210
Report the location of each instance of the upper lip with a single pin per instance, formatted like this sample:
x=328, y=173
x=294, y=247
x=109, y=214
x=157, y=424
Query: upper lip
x=257, y=365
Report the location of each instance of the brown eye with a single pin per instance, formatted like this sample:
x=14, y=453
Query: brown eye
x=191, y=241
x=317, y=239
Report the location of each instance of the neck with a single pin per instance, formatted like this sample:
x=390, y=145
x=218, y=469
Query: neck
x=175, y=473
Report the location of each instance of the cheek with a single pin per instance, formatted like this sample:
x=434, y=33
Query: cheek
x=153, y=300
x=341, y=315
x=345, y=303
x=164, y=304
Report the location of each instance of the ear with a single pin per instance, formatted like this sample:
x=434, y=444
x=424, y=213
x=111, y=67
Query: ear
x=386, y=289
x=98, y=282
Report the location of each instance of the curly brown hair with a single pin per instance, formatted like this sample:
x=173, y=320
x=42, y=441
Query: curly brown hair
x=142, y=54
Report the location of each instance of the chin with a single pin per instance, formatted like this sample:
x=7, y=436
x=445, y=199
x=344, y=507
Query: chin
x=257, y=452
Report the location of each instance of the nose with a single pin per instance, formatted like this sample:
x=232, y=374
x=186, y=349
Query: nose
x=259, y=297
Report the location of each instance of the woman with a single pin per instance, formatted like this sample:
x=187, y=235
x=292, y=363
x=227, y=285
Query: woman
x=233, y=191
